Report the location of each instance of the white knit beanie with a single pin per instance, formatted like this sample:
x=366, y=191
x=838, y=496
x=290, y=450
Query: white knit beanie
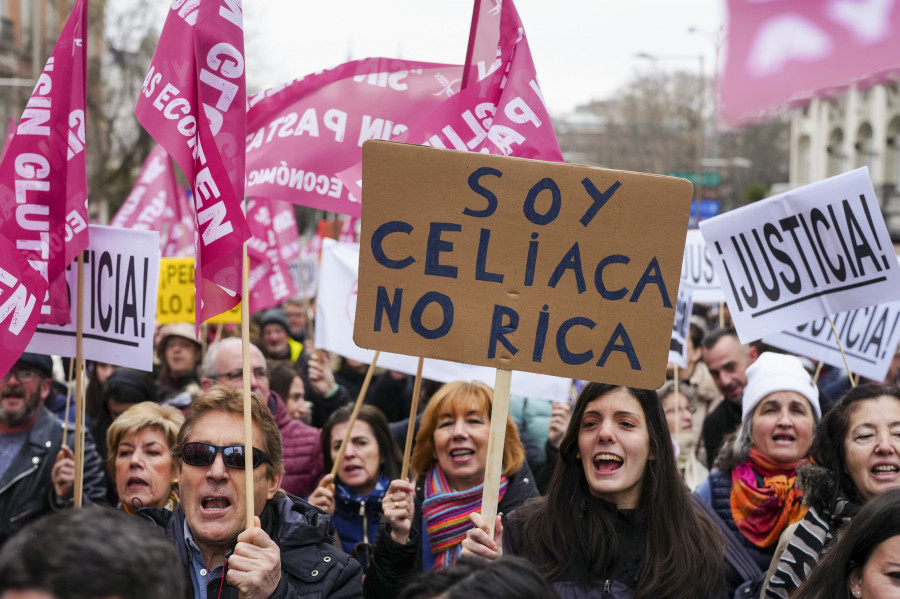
x=773, y=372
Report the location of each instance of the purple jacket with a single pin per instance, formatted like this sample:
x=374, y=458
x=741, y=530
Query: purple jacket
x=303, y=461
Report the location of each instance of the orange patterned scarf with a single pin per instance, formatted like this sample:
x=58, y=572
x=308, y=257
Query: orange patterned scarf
x=764, y=499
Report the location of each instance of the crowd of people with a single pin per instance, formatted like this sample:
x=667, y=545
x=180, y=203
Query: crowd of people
x=750, y=473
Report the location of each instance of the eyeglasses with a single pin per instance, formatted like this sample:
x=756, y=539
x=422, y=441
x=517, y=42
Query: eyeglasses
x=258, y=372
x=22, y=374
x=204, y=454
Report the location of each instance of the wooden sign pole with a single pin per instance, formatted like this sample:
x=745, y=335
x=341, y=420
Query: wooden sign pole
x=248, y=417
x=359, y=401
x=411, y=427
x=843, y=355
x=494, y=467
x=79, y=383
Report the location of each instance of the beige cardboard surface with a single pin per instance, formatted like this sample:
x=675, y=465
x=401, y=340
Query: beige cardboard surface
x=519, y=264
x=175, y=302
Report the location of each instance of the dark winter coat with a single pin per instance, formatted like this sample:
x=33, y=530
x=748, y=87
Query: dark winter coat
x=395, y=565
x=619, y=582
x=716, y=492
x=311, y=567
x=26, y=489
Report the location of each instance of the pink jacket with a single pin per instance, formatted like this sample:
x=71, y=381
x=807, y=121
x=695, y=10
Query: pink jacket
x=303, y=461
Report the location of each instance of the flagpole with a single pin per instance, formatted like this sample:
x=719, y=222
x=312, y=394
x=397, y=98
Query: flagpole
x=248, y=420
x=411, y=427
x=470, y=50
x=79, y=382
x=359, y=401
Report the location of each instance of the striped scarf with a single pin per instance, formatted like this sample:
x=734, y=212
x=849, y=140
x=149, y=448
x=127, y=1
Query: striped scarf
x=446, y=513
x=764, y=498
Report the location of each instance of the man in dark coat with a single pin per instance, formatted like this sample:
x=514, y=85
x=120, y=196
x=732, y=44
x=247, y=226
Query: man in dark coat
x=37, y=472
x=727, y=359
x=287, y=553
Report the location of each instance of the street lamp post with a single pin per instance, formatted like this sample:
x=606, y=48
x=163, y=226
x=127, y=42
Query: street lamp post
x=698, y=179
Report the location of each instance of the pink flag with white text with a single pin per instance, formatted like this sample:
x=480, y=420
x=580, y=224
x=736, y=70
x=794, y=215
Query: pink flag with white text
x=43, y=181
x=21, y=288
x=300, y=135
x=275, y=243
x=193, y=102
x=779, y=52
x=502, y=113
x=156, y=203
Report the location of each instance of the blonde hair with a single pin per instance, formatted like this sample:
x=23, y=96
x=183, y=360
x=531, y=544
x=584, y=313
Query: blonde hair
x=166, y=419
x=463, y=397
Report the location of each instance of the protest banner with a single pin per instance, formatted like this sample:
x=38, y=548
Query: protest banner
x=121, y=268
x=175, y=301
x=868, y=336
x=502, y=113
x=302, y=134
x=336, y=313
x=681, y=327
x=697, y=270
x=193, y=102
x=803, y=254
x=275, y=243
x=21, y=288
x=156, y=203
x=519, y=264
x=43, y=180
x=782, y=52
x=304, y=271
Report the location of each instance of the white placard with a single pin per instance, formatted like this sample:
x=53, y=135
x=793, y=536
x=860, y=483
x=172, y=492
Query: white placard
x=803, y=254
x=335, y=313
x=697, y=270
x=868, y=335
x=681, y=327
x=121, y=276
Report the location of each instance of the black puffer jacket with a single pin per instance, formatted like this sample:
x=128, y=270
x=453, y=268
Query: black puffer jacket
x=311, y=567
x=395, y=565
x=26, y=489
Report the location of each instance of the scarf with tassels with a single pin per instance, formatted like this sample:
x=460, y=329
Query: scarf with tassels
x=764, y=498
x=446, y=514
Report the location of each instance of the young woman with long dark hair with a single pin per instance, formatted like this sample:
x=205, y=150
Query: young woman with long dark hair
x=617, y=520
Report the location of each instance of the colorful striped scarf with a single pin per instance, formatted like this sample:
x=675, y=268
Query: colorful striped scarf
x=764, y=498
x=446, y=514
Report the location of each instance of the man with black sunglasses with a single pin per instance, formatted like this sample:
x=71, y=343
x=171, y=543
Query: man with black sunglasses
x=304, y=463
x=288, y=553
x=37, y=472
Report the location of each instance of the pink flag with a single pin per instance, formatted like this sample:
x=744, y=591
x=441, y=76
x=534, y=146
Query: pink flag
x=275, y=243
x=43, y=189
x=300, y=135
x=779, y=52
x=193, y=102
x=20, y=289
x=503, y=113
x=157, y=203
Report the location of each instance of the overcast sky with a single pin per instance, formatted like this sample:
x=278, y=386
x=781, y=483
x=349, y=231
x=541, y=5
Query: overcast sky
x=582, y=49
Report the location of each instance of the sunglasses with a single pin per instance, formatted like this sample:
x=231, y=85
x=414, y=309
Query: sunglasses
x=204, y=454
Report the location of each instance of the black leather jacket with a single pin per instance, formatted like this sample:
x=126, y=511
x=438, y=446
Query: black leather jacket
x=26, y=489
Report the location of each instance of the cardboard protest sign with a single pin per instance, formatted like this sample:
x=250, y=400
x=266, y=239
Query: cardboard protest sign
x=176, y=294
x=121, y=268
x=519, y=264
x=336, y=311
x=869, y=337
x=697, y=270
x=806, y=253
x=681, y=327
